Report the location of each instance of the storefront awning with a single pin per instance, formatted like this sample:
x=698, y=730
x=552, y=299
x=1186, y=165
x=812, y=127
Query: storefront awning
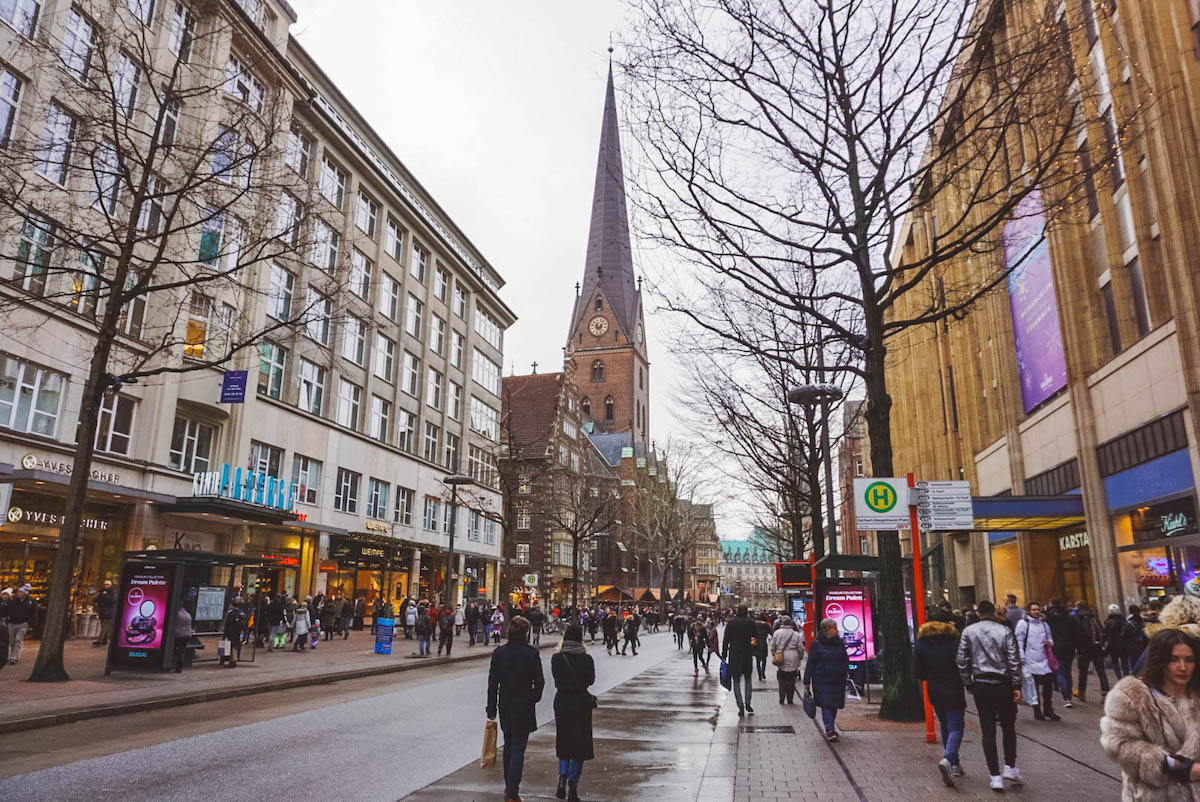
x=1027, y=513
x=227, y=508
x=48, y=477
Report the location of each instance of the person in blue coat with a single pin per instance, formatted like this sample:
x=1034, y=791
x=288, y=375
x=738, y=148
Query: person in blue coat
x=825, y=674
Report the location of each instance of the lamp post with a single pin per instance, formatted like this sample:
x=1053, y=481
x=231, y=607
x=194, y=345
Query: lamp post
x=811, y=395
x=455, y=482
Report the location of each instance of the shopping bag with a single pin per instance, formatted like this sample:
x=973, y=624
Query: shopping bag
x=224, y=647
x=810, y=704
x=1051, y=658
x=726, y=681
x=488, y=758
x=1029, y=694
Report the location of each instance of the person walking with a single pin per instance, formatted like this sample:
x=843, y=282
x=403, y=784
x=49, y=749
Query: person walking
x=515, y=685
x=360, y=612
x=573, y=671
x=1090, y=650
x=698, y=637
x=1181, y=613
x=679, y=626
x=106, y=611
x=537, y=619
x=460, y=618
x=411, y=614
x=825, y=674
x=609, y=626
x=1066, y=635
x=22, y=613
x=1151, y=723
x=232, y=628
x=497, y=621
x=762, y=637
x=1115, y=640
x=713, y=645
x=424, y=630
x=329, y=615
x=630, y=634
x=183, y=634
x=471, y=616
x=1012, y=612
x=445, y=630
x=303, y=625
x=737, y=651
x=935, y=663
x=593, y=624
x=345, y=616
x=991, y=670
x=276, y=623
x=1035, y=644
x=789, y=643
x=376, y=614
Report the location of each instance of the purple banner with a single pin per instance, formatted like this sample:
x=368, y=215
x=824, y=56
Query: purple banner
x=1041, y=363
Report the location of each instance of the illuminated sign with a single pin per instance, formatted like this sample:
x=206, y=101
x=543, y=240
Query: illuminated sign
x=248, y=487
x=1079, y=540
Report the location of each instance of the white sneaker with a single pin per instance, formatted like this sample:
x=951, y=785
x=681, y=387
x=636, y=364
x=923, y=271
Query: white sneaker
x=1013, y=775
x=1068, y=703
x=946, y=770
x=997, y=783
x=957, y=771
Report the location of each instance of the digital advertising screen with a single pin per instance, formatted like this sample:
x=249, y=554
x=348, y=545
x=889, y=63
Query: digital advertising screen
x=143, y=615
x=847, y=605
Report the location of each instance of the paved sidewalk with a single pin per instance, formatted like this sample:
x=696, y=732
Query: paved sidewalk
x=880, y=760
x=91, y=694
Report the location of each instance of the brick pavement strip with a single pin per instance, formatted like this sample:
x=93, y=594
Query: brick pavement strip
x=90, y=694
x=892, y=761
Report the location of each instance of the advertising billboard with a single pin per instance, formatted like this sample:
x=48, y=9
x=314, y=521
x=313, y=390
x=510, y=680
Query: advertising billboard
x=1041, y=362
x=144, y=615
x=845, y=604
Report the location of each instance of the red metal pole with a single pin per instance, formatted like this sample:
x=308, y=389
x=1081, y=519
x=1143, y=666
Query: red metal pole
x=919, y=605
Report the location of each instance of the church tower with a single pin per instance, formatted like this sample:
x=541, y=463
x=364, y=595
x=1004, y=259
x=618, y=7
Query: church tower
x=607, y=337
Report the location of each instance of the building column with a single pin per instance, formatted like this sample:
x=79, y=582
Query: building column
x=415, y=579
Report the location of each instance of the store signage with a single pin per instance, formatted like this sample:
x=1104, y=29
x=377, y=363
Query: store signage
x=327, y=566
x=20, y=515
x=1079, y=540
x=283, y=559
x=248, y=487
x=376, y=526
x=233, y=387
x=1169, y=519
x=881, y=504
x=1173, y=523
x=32, y=462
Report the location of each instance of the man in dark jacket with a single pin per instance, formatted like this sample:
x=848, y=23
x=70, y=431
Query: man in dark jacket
x=445, y=630
x=472, y=618
x=1064, y=629
x=1090, y=649
x=1115, y=639
x=990, y=669
x=536, y=620
x=738, y=651
x=276, y=617
x=106, y=611
x=609, y=625
x=935, y=663
x=679, y=625
x=515, y=684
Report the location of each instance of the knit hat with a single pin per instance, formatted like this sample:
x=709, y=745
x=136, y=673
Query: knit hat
x=26, y=587
x=6, y=591
x=1114, y=609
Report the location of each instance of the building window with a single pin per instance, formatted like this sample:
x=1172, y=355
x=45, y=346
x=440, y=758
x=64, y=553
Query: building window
x=114, y=428
x=404, y=505
x=489, y=328
x=271, y=361
x=279, y=295
x=10, y=100
x=333, y=182
x=21, y=14
x=85, y=284
x=432, y=512
x=360, y=274
x=243, y=85
x=440, y=282
x=858, y=467
x=438, y=338
x=523, y=519
x=299, y=150
x=489, y=532
x=366, y=213
x=609, y=413
x=288, y=219
x=191, y=446
x=453, y=443
x=265, y=458
x=456, y=401
x=385, y=358
x=522, y=557
x=457, y=342
x=562, y=456
x=312, y=387
x=433, y=436
x=485, y=372
x=1143, y=444
x=481, y=467
x=306, y=475
x=394, y=240
x=34, y=249
x=354, y=340
x=325, y=245
x=316, y=317
x=433, y=390
x=377, y=499
x=54, y=149
x=460, y=300
x=126, y=75
x=182, y=31
x=598, y=370
x=381, y=418
x=419, y=257
x=349, y=401
x=406, y=431
x=585, y=404
x=78, y=44
x=345, y=495
x=524, y=487
x=473, y=525
x=599, y=304
x=412, y=375
x=416, y=310
x=389, y=298
x=134, y=311
x=484, y=419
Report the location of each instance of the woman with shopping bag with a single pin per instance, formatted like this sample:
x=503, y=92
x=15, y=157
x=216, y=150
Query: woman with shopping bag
x=1035, y=645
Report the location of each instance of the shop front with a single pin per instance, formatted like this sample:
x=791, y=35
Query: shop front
x=370, y=566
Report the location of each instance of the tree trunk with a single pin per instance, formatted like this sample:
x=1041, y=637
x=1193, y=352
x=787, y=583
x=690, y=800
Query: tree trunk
x=901, y=693
x=575, y=571
x=49, y=665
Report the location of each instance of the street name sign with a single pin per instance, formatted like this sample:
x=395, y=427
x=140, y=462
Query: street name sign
x=944, y=506
x=881, y=504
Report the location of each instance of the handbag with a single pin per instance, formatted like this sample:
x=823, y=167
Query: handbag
x=1051, y=658
x=810, y=704
x=726, y=680
x=488, y=759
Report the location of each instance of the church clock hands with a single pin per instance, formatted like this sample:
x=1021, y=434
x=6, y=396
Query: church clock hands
x=598, y=326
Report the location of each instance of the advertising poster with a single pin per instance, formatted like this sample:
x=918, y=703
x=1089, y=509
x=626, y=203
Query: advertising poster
x=1041, y=362
x=143, y=614
x=383, y=635
x=846, y=605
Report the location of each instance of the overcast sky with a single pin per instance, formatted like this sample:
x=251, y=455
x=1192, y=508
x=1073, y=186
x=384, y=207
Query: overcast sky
x=495, y=107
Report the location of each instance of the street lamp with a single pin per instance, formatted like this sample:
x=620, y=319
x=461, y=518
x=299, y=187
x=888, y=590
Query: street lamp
x=822, y=395
x=454, y=481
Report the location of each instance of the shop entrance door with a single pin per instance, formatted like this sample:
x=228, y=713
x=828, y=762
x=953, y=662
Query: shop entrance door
x=1078, y=584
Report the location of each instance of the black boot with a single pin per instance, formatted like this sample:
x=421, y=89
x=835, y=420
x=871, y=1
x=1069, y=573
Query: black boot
x=573, y=792
x=561, y=793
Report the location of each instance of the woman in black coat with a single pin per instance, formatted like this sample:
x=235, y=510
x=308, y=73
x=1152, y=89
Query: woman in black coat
x=574, y=672
x=762, y=631
x=825, y=673
x=935, y=662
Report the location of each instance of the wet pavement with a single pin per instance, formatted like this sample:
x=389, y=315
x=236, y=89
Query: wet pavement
x=659, y=736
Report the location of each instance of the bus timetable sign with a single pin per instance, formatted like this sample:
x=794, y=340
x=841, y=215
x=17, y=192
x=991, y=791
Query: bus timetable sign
x=794, y=575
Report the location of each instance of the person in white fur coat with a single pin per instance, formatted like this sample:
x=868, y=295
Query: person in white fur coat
x=1151, y=724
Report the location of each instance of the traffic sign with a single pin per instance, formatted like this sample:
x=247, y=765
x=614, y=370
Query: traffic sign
x=881, y=504
x=944, y=506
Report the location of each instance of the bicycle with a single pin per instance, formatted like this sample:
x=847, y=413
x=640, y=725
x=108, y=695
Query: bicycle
x=554, y=626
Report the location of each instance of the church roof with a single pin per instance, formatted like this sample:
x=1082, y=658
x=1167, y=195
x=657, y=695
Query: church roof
x=531, y=402
x=609, y=262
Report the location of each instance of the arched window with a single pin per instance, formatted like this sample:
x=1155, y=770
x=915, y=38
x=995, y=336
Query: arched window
x=599, y=304
x=608, y=409
x=586, y=405
x=598, y=370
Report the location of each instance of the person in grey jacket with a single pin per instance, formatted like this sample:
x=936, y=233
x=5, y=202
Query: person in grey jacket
x=991, y=671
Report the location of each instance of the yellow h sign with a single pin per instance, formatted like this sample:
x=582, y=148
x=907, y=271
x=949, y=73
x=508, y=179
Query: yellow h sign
x=880, y=497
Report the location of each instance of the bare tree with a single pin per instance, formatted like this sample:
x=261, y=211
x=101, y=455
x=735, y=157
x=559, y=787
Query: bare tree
x=152, y=191
x=793, y=151
x=585, y=505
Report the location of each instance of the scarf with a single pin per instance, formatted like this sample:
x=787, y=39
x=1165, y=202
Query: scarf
x=571, y=647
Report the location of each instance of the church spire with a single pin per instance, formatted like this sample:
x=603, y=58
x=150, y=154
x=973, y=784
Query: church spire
x=609, y=263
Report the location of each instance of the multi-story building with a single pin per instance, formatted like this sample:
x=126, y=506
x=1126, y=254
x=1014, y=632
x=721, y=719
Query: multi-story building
x=391, y=383
x=747, y=575
x=1068, y=397
x=702, y=577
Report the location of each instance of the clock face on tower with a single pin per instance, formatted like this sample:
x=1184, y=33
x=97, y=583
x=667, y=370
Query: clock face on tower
x=598, y=326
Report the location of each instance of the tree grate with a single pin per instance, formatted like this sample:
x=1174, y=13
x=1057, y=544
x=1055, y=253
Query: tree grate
x=780, y=728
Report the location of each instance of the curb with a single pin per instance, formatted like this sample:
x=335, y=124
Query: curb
x=179, y=700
